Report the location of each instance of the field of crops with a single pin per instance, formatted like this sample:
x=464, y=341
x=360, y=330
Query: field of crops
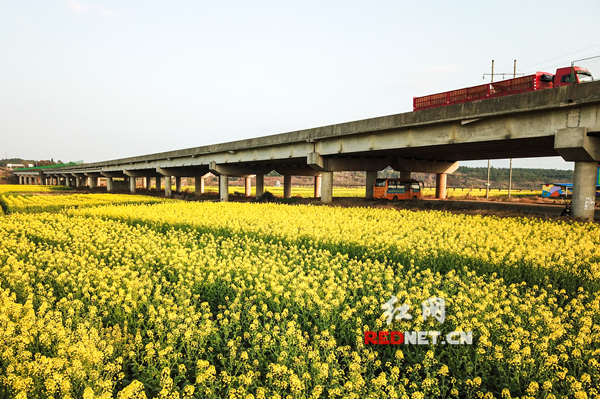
x=213, y=300
x=26, y=188
x=308, y=192
x=13, y=203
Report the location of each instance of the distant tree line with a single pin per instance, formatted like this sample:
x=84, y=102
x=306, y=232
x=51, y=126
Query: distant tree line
x=518, y=175
x=43, y=162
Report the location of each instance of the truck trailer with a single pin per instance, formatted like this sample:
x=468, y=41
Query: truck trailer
x=537, y=81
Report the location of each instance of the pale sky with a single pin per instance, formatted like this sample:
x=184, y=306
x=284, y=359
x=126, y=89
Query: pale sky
x=101, y=80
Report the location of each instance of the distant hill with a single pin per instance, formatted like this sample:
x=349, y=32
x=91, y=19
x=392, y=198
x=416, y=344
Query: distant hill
x=523, y=178
x=476, y=177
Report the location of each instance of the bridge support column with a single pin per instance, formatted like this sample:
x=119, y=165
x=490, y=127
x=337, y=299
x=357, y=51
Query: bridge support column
x=371, y=177
x=77, y=181
x=224, y=188
x=440, y=185
x=405, y=175
x=132, y=181
x=199, y=185
x=146, y=182
x=327, y=187
x=260, y=184
x=584, y=190
x=168, y=186
x=287, y=186
x=574, y=144
x=248, y=181
x=317, y=186
x=109, y=184
x=177, y=184
x=158, y=185
x=93, y=181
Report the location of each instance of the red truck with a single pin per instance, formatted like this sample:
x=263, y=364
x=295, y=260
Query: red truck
x=537, y=81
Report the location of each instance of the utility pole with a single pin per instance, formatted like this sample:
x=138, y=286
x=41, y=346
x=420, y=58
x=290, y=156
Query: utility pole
x=510, y=179
x=503, y=73
x=510, y=169
x=487, y=185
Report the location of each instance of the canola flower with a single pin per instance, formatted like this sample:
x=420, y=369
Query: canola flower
x=28, y=188
x=517, y=249
x=181, y=300
x=308, y=192
x=53, y=203
x=304, y=192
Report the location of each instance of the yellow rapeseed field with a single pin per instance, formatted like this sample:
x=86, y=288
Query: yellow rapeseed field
x=28, y=188
x=308, y=192
x=12, y=203
x=230, y=300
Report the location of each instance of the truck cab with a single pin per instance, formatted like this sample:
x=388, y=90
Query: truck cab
x=563, y=76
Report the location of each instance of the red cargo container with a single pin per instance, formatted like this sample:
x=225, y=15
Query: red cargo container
x=538, y=81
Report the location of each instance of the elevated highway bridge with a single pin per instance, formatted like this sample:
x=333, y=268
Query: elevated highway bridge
x=562, y=122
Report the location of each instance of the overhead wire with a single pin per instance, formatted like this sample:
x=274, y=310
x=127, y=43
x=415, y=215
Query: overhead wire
x=562, y=56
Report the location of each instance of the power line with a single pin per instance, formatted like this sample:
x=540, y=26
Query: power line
x=562, y=56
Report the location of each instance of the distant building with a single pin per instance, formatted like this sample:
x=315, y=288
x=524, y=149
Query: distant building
x=277, y=183
x=15, y=165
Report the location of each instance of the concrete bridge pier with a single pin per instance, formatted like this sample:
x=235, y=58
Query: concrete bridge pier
x=327, y=187
x=260, y=184
x=157, y=185
x=132, y=187
x=371, y=177
x=247, y=172
x=224, y=188
x=109, y=184
x=168, y=181
x=318, y=182
x=168, y=186
x=574, y=144
x=199, y=185
x=248, y=186
x=287, y=186
x=584, y=190
x=440, y=185
x=177, y=184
